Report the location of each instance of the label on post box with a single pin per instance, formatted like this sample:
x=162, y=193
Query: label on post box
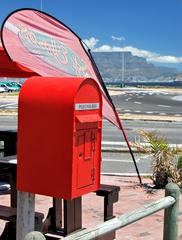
x=86, y=106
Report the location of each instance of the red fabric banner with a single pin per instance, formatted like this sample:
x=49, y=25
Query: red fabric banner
x=49, y=48
x=9, y=68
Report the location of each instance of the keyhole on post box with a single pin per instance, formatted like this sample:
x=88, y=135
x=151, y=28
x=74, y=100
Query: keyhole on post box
x=80, y=155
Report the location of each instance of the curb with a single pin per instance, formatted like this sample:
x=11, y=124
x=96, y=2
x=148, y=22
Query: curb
x=150, y=118
x=126, y=174
x=122, y=146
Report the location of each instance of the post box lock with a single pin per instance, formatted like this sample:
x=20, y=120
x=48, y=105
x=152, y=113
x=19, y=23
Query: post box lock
x=59, y=136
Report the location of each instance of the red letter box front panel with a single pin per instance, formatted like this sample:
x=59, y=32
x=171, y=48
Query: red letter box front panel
x=59, y=136
x=87, y=139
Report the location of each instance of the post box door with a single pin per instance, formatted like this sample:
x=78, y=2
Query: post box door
x=86, y=141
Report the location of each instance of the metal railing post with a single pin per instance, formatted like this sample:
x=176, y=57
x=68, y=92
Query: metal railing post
x=171, y=214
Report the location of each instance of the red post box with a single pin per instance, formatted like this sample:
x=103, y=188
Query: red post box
x=59, y=136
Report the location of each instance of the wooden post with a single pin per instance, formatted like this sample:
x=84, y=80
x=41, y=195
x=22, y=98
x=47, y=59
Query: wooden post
x=171, y=214
x=25, y=214
x=35, y=236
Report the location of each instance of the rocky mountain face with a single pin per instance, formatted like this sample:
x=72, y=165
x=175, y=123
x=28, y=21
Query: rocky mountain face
x=135, y=68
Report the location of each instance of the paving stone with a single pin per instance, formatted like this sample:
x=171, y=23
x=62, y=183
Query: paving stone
x=131, y=197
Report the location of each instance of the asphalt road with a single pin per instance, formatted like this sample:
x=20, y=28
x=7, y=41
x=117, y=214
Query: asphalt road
x=8, y=122
x=148, y=102
x=171, y=130
x=122, y=163
x=8, y=102
x=133, y=101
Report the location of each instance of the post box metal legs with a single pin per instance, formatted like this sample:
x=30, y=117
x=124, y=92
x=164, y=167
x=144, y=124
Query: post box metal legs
x=72, y=213
x=64, y=217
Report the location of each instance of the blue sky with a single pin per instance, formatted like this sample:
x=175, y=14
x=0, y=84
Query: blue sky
x=148, y=28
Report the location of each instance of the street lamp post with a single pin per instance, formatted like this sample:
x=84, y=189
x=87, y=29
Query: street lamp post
x=123, y=69
x=41, y=5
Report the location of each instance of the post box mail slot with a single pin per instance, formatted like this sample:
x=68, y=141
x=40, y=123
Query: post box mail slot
x=59, y=136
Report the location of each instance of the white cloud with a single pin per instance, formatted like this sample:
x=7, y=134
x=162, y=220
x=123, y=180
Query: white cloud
x=91, y=42
x=118, y=38
x=150, y=56
x=167, y=59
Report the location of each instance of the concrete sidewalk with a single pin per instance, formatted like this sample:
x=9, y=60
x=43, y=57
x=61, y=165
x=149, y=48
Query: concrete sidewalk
x=132, y=196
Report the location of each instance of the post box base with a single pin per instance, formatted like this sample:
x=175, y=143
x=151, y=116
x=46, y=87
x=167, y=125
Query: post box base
x=73, y=214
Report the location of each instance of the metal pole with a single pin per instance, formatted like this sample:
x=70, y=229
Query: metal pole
x=171, y=214
x=41, y=5
x=123, y=69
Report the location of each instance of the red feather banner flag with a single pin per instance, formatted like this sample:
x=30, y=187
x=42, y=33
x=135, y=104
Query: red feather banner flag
x=48, y=47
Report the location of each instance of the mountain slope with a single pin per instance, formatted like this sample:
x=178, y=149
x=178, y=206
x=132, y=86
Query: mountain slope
x=135, y=68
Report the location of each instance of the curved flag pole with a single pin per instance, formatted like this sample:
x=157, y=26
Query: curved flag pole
x=116, y=114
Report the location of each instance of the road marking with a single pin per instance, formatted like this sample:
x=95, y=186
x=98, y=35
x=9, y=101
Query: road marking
x=149, y=112
x=162, y=113
x=166, y=106
x=126, y=174
x=177, y=98
x=119, y=161
x=11, y=107
x=8, y=104
x=138, y=102
x=137, y=111
x=142, y=143
x=177, y=115
x=127, y=110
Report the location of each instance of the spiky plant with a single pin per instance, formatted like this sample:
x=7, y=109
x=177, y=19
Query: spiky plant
x=164, y=167
x=179, y=166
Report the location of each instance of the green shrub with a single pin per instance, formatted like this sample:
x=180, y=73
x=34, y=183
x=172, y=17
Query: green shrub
x=164, y=167
x=180, y=163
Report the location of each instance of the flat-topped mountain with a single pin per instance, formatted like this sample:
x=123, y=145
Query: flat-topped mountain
x=135, y=68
